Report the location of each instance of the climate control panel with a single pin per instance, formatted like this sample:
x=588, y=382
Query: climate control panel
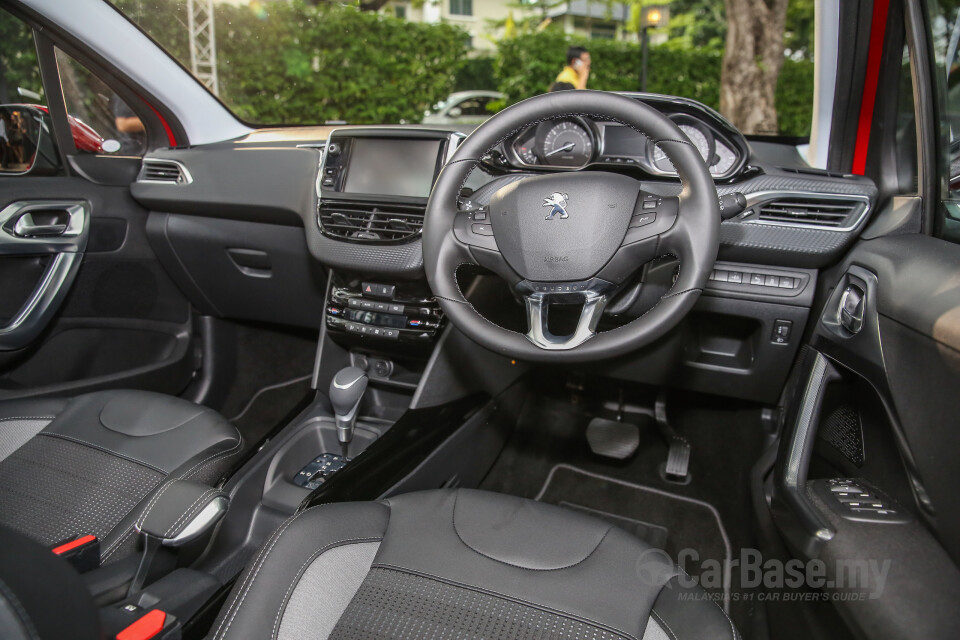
x=383, y=312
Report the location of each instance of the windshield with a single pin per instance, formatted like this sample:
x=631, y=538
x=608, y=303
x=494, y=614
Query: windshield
x=388, y=61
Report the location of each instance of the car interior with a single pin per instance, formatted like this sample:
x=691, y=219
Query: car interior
x=599, y=367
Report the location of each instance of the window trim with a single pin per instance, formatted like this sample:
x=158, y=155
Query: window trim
x=460, y=2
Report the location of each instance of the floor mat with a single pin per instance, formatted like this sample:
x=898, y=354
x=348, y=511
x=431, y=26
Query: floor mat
x=272, y=375
x=679, y=525
x=268, y=406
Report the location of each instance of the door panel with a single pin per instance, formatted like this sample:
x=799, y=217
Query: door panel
x=876, y=408
x=121, y=321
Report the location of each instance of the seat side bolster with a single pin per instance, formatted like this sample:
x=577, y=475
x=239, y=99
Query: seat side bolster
x=684, y=611
x=285, y=556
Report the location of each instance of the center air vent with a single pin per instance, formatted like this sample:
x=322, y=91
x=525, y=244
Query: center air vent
x=807, y=211
x=367, y=222
x=165, y=171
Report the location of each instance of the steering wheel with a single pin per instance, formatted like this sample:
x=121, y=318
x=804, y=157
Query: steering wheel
x=572, y=236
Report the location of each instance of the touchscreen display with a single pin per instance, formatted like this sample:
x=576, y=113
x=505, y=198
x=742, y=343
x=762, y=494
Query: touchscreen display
x=384, y=166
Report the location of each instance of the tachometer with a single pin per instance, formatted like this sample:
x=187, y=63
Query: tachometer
x=566, y=144
x=701, y=138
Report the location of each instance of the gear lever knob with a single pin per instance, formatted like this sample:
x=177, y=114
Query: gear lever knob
x=346, y=391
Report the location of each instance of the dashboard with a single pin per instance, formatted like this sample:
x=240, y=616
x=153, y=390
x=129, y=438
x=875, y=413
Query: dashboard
x=578, y=141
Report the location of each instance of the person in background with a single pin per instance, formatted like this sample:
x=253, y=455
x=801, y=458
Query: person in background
x=130, y=128
x=577, y=71
x=560, y=86
x=3, y=140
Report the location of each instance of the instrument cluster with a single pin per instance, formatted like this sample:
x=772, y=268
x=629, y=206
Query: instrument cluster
x=574, y=142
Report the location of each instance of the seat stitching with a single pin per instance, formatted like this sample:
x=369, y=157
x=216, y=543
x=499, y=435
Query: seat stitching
x=664, y=623
x=152, y=504
x=116, y=545
x=103, y=449
x=560, y=612
x=28, y=418
x=190, y=512
x=299, y=575
x=510, y=564
x=251, y=576
x=211, y=458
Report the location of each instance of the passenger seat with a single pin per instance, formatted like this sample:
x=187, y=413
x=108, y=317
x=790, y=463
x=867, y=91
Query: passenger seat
x=92, y=464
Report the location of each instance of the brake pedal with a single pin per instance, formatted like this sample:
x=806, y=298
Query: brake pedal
x=677, y=467
x=613, y=438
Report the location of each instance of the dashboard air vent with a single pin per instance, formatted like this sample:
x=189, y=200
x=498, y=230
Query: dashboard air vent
x=811, y=211
x=165, y=171
x=368, y=222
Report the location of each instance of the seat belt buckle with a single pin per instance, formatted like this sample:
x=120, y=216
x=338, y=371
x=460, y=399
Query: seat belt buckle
x=83, y=552
x=153, y=625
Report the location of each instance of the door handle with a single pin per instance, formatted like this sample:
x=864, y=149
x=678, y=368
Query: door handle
x=27, y=227
x=54, y=228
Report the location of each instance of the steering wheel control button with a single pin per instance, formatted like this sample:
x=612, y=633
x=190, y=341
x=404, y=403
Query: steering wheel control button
x=650, y=204
x=480, y=215
x=643, y=219
x=482, y=229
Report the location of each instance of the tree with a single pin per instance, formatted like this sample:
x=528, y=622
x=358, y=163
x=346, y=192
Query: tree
x=752, y=61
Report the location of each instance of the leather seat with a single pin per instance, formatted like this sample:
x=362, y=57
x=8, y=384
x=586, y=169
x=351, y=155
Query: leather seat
x=91, y=464
x=463, y=563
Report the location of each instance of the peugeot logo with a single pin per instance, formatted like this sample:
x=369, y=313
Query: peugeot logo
x=558, y=203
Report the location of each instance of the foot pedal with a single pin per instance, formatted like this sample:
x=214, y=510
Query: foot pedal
x=677, y=467
x=613, y=439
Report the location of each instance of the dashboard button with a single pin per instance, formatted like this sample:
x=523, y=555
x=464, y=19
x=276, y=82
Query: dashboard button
x=735, y=277
x=771, y=281
x=396, y=308
x=756, y=279
x=786, y=283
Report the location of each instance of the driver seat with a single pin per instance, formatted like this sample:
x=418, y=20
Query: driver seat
x=463, y=563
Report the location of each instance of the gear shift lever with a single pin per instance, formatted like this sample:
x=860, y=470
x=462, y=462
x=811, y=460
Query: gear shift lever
x=346, y=391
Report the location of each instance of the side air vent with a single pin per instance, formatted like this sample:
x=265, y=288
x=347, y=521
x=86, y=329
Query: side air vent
x=808, y=211
x=164, y=171
x=367, y=222
x=820, y=173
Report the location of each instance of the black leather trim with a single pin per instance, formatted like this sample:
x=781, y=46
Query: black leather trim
x=165, y=449
x=257, y=597
x=174, y=506
x=673, y=608
x=499, y=530
x=176, y=438
x=612, y=584
x=532, y=554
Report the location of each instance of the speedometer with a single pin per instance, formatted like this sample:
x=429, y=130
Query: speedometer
x=566, y=144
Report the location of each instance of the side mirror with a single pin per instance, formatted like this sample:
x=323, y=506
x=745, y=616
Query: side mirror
x=26, y=140
x=455, y=112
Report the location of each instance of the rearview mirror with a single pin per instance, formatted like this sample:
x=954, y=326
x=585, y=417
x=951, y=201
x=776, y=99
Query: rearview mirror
x=26, y=144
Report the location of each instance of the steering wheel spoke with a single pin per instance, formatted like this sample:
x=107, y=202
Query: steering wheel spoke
x=593, y=295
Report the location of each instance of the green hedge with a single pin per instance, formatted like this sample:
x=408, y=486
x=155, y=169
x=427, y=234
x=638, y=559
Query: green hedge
x=526, y=66
x=293, y=63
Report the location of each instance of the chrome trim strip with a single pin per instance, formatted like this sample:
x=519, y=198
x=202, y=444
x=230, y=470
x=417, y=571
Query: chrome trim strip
x=762, y=197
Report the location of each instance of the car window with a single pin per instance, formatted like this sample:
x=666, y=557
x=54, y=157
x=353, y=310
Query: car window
x=390, y=61
x=100, y=120
x=945, y=33
x=23, y=117
x=474, y=107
